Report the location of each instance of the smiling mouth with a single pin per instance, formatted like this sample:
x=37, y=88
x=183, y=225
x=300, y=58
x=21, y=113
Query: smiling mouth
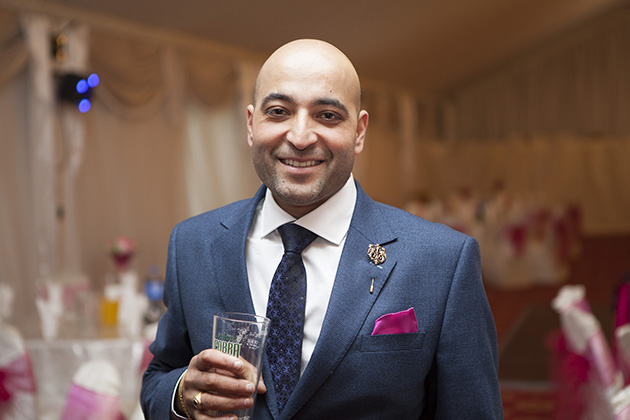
x=300, y=164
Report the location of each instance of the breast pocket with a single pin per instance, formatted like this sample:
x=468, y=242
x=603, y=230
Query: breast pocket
x=391, y=342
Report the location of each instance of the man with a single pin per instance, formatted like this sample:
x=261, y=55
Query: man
x=304, y=129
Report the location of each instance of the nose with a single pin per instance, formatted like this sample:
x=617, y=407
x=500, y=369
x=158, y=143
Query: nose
x=302, y=133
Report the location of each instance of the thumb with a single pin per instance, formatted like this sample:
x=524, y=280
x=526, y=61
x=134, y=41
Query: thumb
x=262, y=388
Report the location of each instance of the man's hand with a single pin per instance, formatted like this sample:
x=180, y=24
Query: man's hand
x=226, y=383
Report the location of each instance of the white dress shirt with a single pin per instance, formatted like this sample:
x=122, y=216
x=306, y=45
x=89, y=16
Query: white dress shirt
x=264, y=250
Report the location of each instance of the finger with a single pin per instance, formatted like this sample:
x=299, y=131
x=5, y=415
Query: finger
x=262, y=388
x=214, y=359
x=210, y=359
x=210, y=404
x=249, y=376
x=205, y=374
x=224, y=382
x=248, y=371
x=215, y=415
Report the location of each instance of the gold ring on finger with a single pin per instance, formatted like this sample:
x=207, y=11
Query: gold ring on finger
x=197, y=401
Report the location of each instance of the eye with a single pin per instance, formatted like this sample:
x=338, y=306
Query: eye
x=276, y=112
x=330, y=116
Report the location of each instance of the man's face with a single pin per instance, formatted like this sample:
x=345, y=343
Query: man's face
x=305, y=128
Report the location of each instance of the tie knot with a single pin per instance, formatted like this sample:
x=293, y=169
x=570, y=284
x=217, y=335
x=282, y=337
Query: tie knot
x=295, y=238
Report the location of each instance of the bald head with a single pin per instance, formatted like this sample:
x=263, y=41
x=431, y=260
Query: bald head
x=309, y=58
x=306, y=126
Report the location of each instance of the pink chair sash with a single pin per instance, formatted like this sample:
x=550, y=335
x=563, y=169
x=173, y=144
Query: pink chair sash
x=16, y=377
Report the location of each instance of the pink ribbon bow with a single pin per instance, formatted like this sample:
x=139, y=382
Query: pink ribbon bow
x=85, y=404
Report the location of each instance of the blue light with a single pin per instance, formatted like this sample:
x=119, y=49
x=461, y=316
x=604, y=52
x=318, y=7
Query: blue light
x=82, y=86
x=85, y=105
x=93, y=80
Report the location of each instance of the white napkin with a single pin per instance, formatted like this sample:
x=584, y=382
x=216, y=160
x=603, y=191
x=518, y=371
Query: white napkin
x=49, y=303
x=569, y=296
x=94, y=393
x=579, y=327
x=131, y=307
x=99, y=376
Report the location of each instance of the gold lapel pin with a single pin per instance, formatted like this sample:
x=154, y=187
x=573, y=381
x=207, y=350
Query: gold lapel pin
x=377, y=254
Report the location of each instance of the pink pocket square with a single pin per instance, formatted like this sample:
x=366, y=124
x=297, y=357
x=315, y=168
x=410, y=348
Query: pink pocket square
x=396, y=323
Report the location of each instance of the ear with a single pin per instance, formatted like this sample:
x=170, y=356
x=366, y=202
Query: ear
x=250, y=118
x=362, y=125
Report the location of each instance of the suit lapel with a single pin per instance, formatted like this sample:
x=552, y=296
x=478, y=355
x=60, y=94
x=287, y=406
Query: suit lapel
x=350, y=301
x=229, y=251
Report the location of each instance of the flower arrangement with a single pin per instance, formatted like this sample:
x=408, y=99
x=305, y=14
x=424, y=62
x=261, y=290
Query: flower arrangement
x=122, y=249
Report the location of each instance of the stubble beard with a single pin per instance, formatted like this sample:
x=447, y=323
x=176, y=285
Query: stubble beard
x=295, y=193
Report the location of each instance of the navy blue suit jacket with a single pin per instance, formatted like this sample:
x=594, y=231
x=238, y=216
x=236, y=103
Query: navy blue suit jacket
x=447, y=370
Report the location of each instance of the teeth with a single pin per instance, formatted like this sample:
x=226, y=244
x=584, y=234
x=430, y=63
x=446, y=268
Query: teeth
x=300, y=164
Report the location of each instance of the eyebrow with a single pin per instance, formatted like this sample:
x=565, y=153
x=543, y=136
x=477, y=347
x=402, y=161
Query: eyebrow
x=332, y=102
x=286, y=98
x=277, y=97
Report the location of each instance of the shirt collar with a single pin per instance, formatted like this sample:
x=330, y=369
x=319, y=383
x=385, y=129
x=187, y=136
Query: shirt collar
x=331, y=220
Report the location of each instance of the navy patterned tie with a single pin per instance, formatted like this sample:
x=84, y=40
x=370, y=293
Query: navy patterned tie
x=285, y=309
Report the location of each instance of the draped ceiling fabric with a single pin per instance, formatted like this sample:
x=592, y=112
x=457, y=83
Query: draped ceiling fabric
x=556, y=123
x=578, y=86
x=165, y=139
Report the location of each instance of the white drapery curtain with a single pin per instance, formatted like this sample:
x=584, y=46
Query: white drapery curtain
x=167, y=141
x=164, y=140
x=18, y=254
